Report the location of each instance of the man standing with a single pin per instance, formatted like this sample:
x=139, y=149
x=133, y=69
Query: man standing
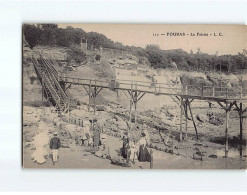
x=96, y=139
x=54, y=146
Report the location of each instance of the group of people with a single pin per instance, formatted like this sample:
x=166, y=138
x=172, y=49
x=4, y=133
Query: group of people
x=130, y=150
x=93, y=137
x=139, y=150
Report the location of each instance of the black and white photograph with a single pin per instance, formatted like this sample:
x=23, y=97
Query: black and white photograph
x=134, y=96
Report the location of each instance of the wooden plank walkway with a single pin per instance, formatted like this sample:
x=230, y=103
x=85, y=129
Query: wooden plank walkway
x=207, y=93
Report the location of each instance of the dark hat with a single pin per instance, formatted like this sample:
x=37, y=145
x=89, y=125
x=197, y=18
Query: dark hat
x=143, y=134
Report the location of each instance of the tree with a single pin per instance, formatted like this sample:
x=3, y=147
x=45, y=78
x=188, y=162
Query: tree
x=32, y=34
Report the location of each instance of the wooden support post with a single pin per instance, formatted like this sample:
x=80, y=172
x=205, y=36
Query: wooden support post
x=186, y=119
x=241, y=129
x=186, y=90
x=135, y=102
x=131, y=102
x=226, y=132
x=94, y=98
x=193, y=119
x=151, y=159
x=241, y=91
x=213, y=92
x=181, y=119
x=89, y=94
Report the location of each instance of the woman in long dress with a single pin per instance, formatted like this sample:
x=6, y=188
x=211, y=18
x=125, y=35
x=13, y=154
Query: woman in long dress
x=144, y=155
x=96, y=138
x=125, y=145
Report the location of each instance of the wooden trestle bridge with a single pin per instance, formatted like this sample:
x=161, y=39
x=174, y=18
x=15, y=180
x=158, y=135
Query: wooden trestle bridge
x=56, y=91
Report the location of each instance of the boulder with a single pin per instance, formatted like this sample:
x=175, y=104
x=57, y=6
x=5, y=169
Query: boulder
x=117, y=160
x=202, y=118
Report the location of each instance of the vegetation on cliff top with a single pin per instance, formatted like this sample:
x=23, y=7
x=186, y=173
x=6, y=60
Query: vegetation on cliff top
x=51, y=35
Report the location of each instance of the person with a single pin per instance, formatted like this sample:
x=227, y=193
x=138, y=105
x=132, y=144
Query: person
x=125, y=145
x=103, y=139
x=54, y=146
x=85, y=133
x=96, y=138
x=132, y=152
x=143, y=155
x=145, y=130
x=90, y=141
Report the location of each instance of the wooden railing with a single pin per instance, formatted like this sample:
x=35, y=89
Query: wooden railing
x=163, y=88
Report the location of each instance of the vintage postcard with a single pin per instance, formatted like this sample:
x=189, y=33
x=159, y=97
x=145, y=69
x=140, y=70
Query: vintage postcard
x=134, y=96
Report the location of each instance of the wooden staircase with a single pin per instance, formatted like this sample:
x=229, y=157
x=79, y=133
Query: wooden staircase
x=49, y=79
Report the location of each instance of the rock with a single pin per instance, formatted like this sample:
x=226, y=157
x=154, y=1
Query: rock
x=99, y=153
x=202, y=118
x=100, y=108
x=214, y=118
x=122, y=124
x=117, y=160
x=212, y=156
x=28, y=138
x=171, y=113
x=197, y=157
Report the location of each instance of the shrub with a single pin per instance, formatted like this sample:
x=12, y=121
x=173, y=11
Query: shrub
x=76, y=53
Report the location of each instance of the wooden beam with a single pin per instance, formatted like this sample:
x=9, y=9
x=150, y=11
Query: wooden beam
x=241, y=129
x=69, y=85
x=190, y=101
x=85, y=89
x=178, y=98
x=94, y=99
x=125, y=93
x=131, y=102
x=231, y=104
x=226, y=132
x=193, y=120
x=238, y=109
x=224, y=107
x=141, y=96
x=181, y=119
x=186, y=117
x=174, y=100
x=99, y=90
x=89, y=95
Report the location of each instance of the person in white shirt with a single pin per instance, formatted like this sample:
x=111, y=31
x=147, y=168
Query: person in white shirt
x=144, y=155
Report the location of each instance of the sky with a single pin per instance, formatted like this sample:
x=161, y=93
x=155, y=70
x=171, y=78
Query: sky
x=234, y=37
